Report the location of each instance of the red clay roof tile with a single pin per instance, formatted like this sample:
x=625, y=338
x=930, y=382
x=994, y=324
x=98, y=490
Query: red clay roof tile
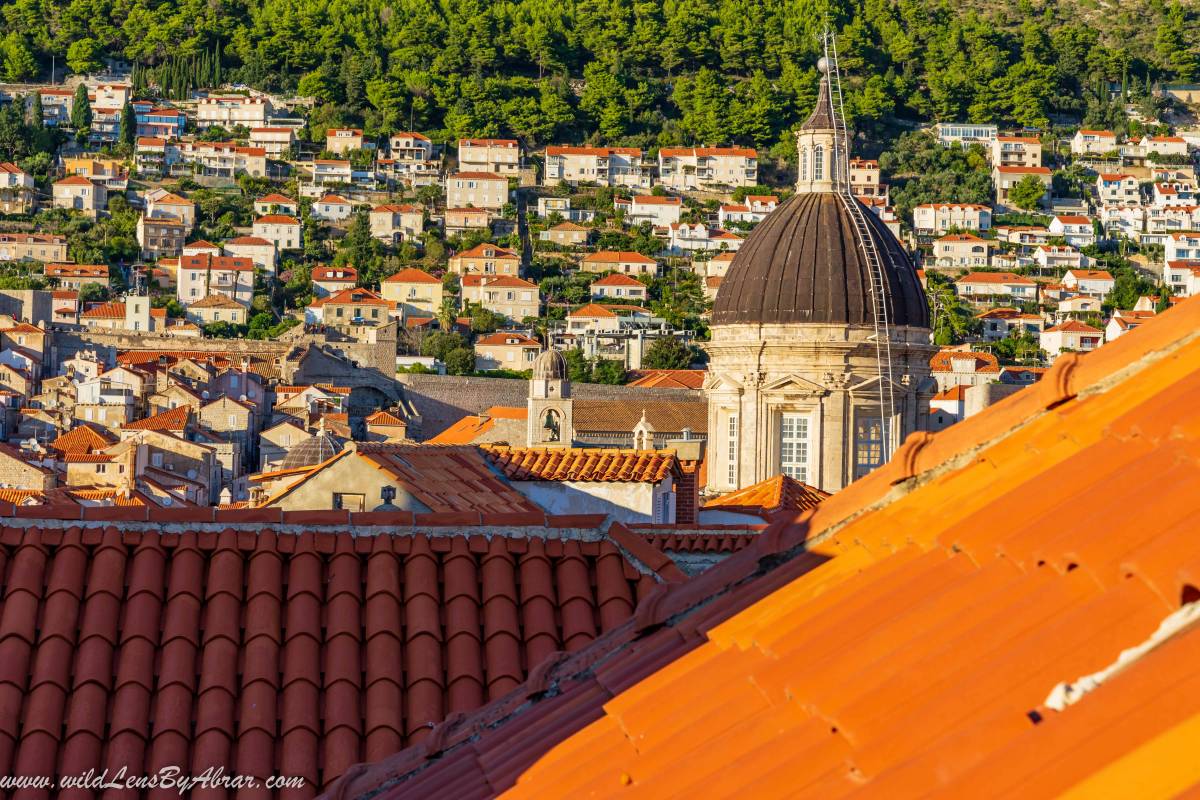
x=271, y=652
x=576, y=464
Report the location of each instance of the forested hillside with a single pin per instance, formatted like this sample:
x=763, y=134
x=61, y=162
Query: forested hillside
x=647, y=73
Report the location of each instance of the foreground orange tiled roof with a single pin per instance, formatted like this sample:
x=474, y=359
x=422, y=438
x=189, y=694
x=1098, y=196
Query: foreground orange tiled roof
x=922, y=632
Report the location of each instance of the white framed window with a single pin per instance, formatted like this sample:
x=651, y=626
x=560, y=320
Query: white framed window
x=731, y=455
x=818, y=163
x=869, y=437
x=794, y=445
x=803, y=163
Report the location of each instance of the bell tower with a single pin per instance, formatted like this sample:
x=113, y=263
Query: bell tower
x=550, y=422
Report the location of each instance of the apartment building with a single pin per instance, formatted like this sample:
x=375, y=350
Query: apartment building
x=159, y=121
x=683, y=168
x=160, y=236
x=1076, y=229
x=261, y=251
x=76, y=276
x=154, y=156
x=413, y=158
x=752, y=209
x=866, y=180
x=604, y=166
x=962, y=250
x=626, y=262
x=332, y=170
x=332, y=208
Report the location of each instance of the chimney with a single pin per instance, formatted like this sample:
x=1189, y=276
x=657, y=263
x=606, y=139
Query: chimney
x=689, y=454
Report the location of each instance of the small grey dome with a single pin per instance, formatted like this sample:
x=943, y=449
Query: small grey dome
x=550, y=366
x=312, y=451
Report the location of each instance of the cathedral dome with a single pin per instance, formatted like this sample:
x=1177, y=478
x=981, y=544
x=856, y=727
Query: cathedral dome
x=804, y=264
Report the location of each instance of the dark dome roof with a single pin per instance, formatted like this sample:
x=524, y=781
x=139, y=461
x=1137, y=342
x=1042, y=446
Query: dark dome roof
x=803, y=264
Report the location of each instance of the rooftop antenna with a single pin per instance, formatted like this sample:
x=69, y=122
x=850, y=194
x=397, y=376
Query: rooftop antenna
x=828, y=65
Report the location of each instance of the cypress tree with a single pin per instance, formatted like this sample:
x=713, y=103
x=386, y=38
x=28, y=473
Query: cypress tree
x=38, y=119
x=81, y=113
x=128, y=126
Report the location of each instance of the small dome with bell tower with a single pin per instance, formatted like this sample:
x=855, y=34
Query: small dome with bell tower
x=549, y=406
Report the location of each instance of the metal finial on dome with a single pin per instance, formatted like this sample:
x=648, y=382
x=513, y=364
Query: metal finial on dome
x=823, y=65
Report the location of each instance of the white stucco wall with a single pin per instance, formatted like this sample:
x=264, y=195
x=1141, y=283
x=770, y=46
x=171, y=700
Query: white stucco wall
x=622, y=502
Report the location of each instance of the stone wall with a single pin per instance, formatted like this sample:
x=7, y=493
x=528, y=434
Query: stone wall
x=378, y=355
x=442, y=400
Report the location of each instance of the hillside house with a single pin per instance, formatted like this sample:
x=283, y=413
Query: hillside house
x=1017, y=151
x=1075, y=229
x=415, y=292
x=1093, y=142
x=684, y=168
x=1005, y=178
x=487, y=190
x=659, y=210
x=962, y=250
x=505, y=350
x=604, y=166
x=507, y=295
x=491, y=156
x=623, y=261
x=931, y=219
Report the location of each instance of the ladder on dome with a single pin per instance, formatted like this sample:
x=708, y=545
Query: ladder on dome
x=879, y=306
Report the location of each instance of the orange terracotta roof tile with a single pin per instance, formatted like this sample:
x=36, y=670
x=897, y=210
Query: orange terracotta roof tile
x=580, y=464
x=910, y=635
x=174, y=419
x=83, y=439
x=773, y=494
x=667, y=378
x=943, y=360
x=383, y=418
